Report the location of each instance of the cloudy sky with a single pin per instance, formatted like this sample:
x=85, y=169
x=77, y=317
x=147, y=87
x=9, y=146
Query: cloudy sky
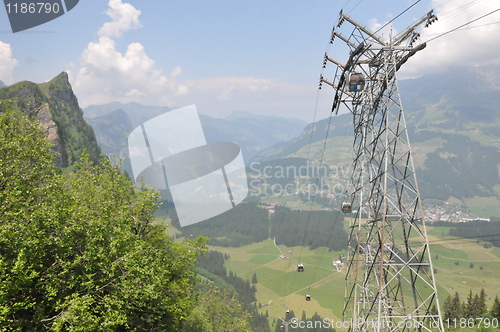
x=262, y=57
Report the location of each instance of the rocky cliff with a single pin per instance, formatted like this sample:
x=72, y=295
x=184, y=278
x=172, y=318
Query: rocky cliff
x=54, y=105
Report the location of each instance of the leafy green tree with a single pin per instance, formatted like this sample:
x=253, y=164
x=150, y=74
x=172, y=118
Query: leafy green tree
x=217, y=311
x=80, y=249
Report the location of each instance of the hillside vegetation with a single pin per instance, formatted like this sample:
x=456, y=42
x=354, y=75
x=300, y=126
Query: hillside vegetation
x=54, y=105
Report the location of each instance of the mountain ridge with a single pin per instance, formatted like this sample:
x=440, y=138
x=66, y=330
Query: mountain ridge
x=54, y=105
x=454, y=130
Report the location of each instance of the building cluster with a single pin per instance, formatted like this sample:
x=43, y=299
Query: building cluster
x=447, y=212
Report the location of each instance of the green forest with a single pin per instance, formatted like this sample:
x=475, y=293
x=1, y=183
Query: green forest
x=250, y=222
x=80, y=249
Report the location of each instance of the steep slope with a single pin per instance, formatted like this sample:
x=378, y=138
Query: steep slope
x=112, y=130
x=54, y=105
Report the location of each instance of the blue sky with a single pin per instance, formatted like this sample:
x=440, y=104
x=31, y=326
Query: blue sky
x=262, y=57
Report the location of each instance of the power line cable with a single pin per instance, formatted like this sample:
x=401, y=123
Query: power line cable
x=404, y=11
x=360, y=1
x=461, y=26
x=468, y=28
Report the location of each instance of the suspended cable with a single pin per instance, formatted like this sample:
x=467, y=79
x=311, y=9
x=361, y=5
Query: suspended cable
x=312, y=201
x=404, y=11
x=331, y=231
x=465, y=238
x=455, y=11
x=461, y=26
x=299, y=260
x=345, y=4
x=468, y=28
x=444, y=3
x=360, y=1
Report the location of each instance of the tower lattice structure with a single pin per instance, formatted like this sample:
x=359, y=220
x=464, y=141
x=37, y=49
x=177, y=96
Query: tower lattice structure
x=390, y=284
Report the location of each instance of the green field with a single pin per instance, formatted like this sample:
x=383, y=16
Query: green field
x=282, y=287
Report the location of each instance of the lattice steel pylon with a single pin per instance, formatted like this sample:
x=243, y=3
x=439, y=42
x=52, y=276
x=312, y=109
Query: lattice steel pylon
x=390, y=284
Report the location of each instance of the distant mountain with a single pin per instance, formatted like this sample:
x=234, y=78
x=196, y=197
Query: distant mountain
x=136, y=113
x=453, y=120
x=245, y=115
x=2, y=84
x=312, y=133
x=253, y=133
x=54, y=105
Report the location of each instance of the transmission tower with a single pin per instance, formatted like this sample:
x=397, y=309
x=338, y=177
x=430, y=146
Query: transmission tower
x=390, y=283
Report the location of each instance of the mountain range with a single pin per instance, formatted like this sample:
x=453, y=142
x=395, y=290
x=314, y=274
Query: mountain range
x=453, y=122
x=113, y=123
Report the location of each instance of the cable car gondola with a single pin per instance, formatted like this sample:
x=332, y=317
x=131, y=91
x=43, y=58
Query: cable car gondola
x=300, y=267
x=308, y=297
x=356, y=82
x=346, y=207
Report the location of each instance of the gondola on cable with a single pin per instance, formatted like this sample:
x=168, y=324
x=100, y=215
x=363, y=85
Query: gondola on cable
x=346, y=206
x=356, y=82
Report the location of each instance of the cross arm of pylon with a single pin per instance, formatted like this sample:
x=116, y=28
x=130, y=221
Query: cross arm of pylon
x=327, y=58
x=409, y=32
x=343, y=17
x=324, y=80
x=343, y=38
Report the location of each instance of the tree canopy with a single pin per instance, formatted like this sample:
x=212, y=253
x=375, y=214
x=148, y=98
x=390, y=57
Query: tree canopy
x=80, y=249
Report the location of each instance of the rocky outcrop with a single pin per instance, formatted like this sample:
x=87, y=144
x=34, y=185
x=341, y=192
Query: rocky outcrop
x=54, y=105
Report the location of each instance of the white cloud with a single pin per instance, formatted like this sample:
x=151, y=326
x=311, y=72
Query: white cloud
x=7, y=63
x=386, y=32
x=220, y=96
x=124, y=17
x=225, y=94
x=475, y=44
x=177, y=70
x=105, y=74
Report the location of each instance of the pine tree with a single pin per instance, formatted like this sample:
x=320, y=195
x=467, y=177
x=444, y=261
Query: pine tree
x=481, y=304
x=254, y=278
x=447, y=308
x=456, y=307
x=470, y=306
x=495, y=309
x=471, y=266
x=434, y=309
